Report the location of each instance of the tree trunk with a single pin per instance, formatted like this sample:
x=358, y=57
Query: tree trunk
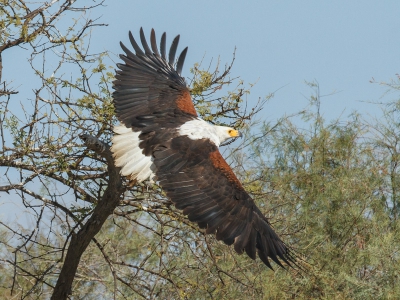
x=105, y=207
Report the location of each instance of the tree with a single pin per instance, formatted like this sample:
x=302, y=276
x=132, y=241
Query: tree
x=331, y=188
x=336, y=185
x=56, y=161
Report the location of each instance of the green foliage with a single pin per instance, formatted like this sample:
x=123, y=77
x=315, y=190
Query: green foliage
x=331, y=189
x=335, y=192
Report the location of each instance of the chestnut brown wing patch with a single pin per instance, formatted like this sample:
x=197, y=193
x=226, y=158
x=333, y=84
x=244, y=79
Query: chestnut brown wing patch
x=185, y=104
x=220, y=164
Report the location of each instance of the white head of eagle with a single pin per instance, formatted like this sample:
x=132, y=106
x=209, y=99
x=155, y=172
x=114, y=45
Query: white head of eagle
x=161, y=138
x=200, y=129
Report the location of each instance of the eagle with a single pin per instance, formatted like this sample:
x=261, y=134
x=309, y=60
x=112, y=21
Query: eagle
x=162, y=138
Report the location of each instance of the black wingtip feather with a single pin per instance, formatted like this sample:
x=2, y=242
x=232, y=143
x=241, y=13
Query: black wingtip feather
x=264, y=258
x=128, y=52
x=163, y=45
x=181, y=60
x=144, y=42
x=172, y=50
x=153, y=42
x=251, y=245
x=135, y=45
x=268, y=248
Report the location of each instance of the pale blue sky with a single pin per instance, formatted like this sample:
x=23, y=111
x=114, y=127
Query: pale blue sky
x=341, y=44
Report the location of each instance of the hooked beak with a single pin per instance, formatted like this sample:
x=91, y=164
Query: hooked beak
x=235, y=133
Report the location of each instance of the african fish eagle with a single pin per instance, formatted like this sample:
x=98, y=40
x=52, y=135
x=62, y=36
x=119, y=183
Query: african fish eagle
x=162, y=138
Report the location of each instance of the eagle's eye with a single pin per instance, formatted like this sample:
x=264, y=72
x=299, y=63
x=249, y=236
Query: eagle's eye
x=234, y=133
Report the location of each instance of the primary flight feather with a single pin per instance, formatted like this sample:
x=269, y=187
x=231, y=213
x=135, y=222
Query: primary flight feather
x=162, y=138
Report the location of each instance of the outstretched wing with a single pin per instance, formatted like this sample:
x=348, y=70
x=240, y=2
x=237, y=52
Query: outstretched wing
x=198, y=180
x=148, y=84
x=152, y=101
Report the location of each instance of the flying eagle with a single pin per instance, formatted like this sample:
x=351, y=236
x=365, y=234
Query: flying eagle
x=161, y=137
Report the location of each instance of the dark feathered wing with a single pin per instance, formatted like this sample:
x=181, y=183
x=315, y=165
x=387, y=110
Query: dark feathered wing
x=199, y=181
x=147, y=84
x=151, y=98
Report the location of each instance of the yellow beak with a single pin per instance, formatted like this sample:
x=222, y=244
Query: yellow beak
x=235, y=133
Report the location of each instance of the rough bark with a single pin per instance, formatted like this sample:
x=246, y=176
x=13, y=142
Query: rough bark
x=105, y=207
